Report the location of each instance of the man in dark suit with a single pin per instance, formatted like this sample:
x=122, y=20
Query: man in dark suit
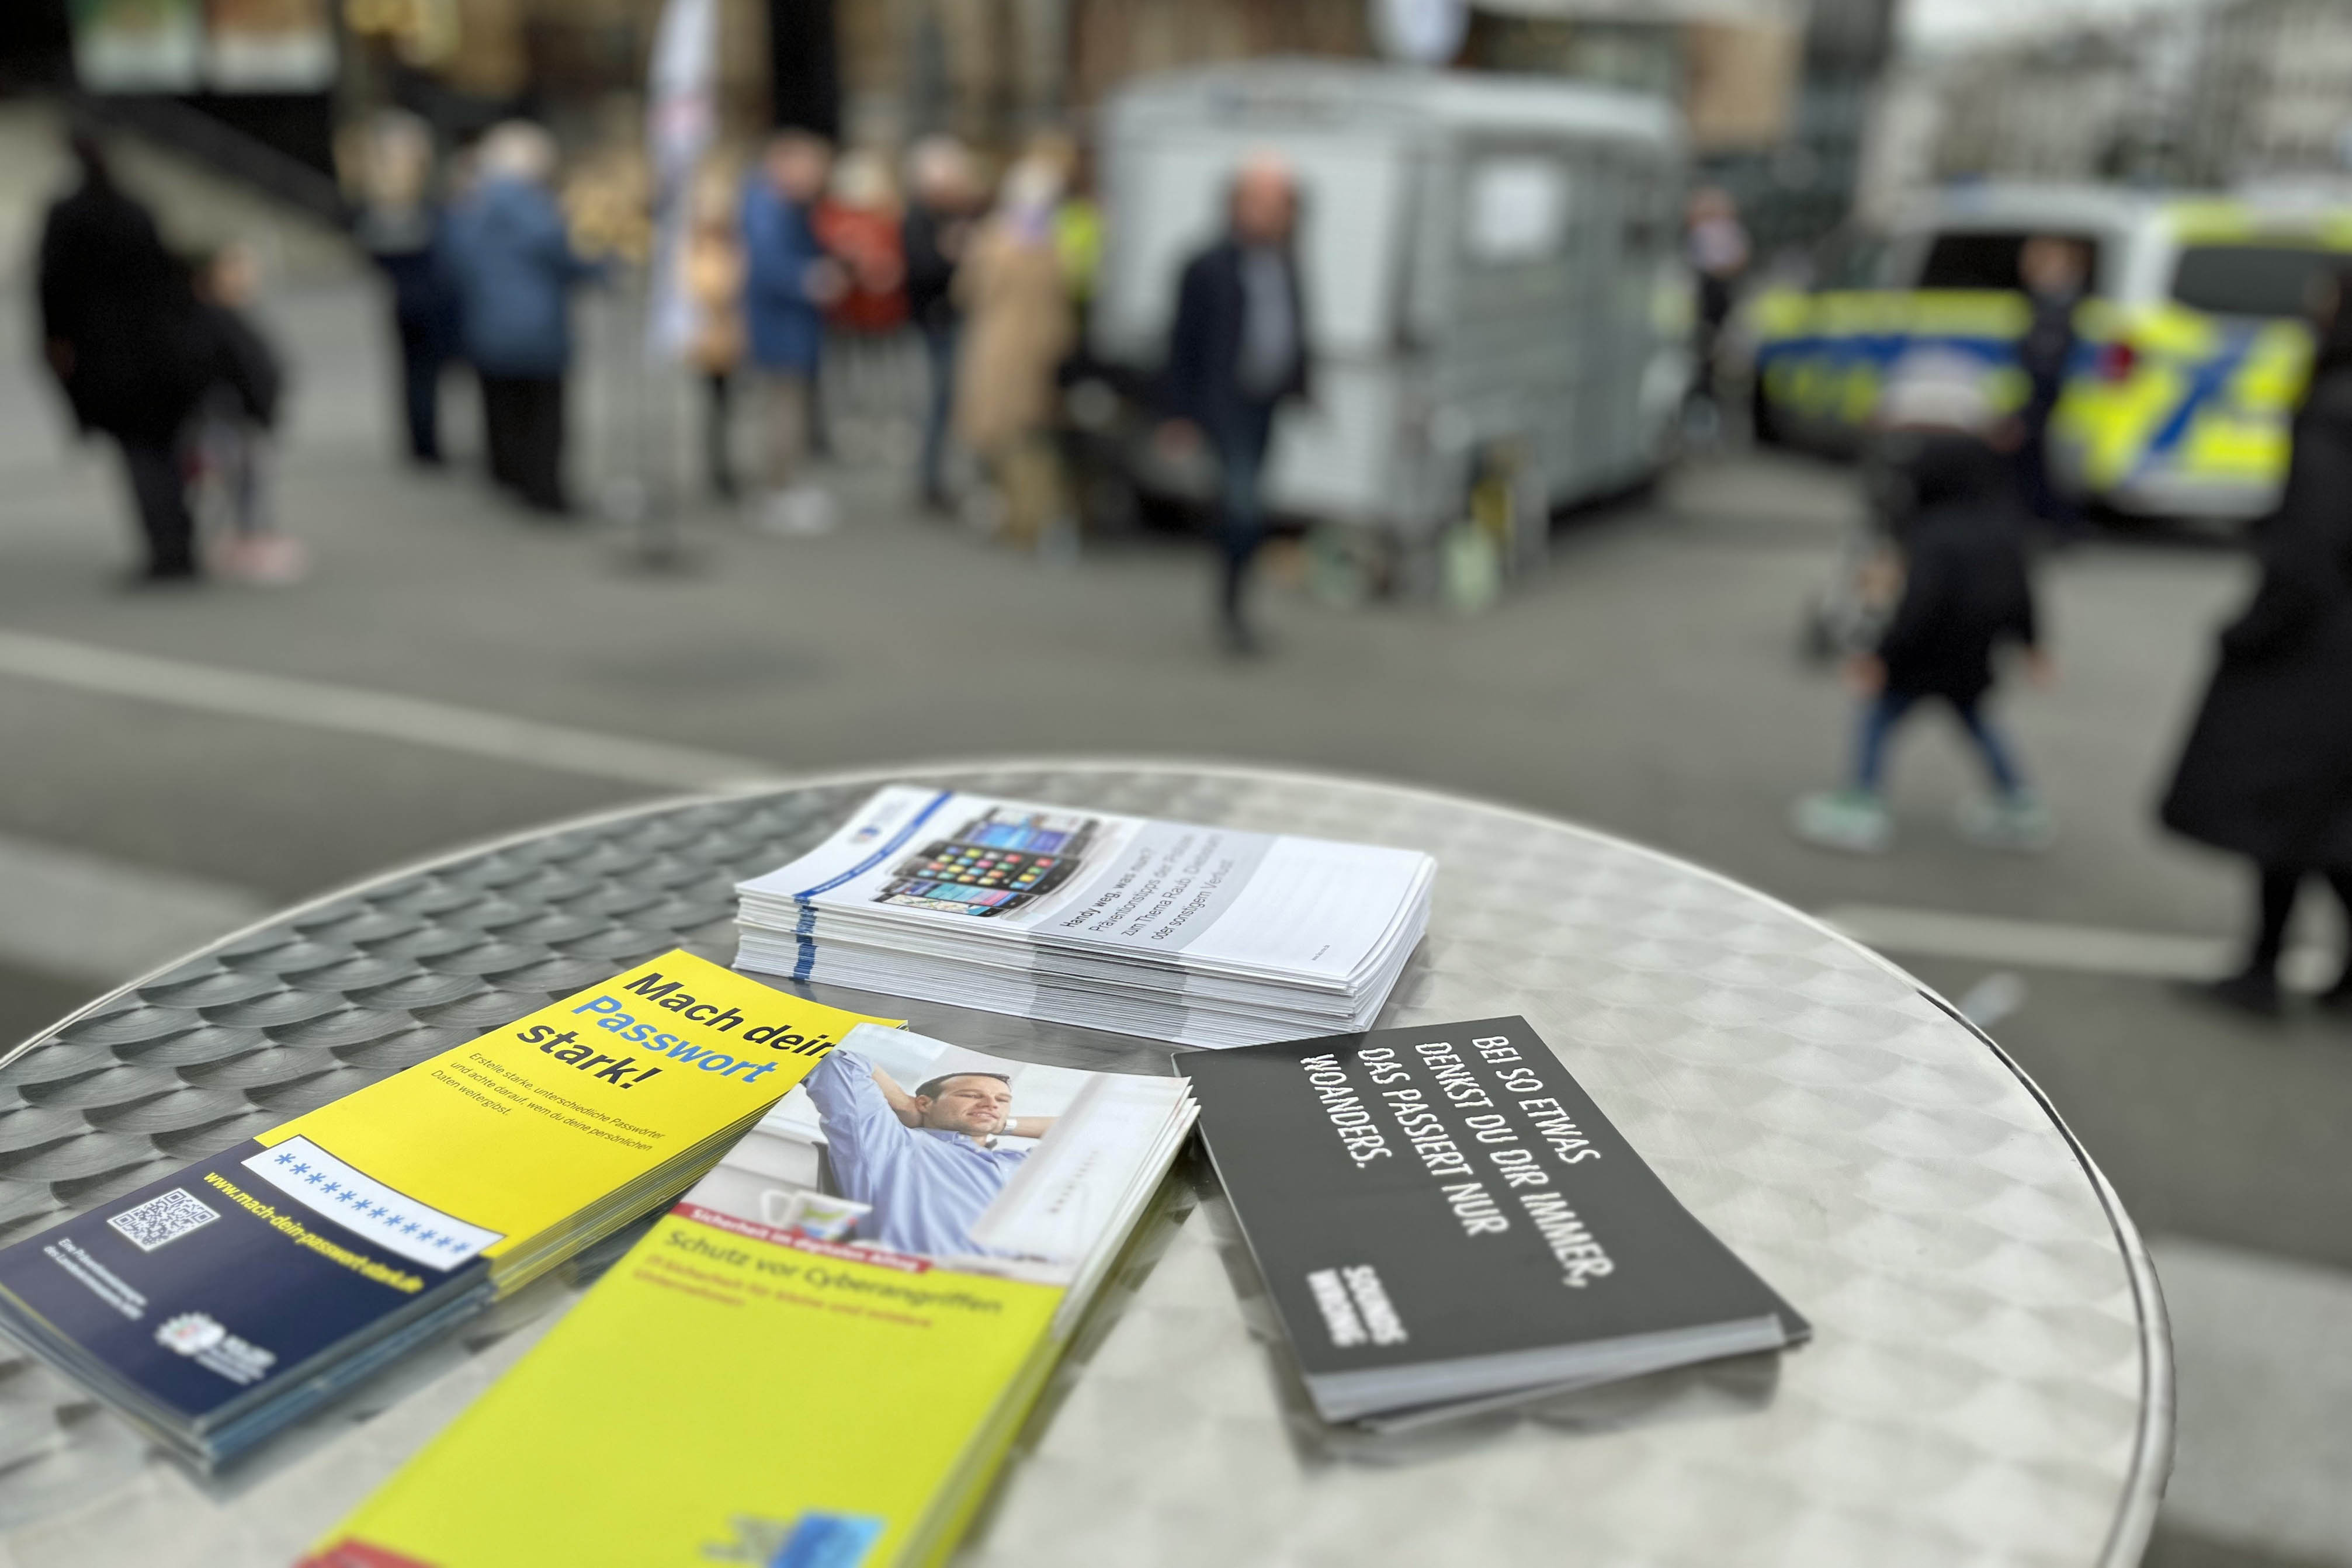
x=1237, y=351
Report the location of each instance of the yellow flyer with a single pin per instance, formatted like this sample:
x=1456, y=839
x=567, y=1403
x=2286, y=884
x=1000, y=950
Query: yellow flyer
x=217, y=1304
x=817, y=1358
x=509, y=1136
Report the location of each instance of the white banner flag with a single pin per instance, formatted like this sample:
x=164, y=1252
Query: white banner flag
x=681, y=118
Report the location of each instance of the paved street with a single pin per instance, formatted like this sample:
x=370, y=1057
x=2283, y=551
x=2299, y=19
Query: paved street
x=176, y=763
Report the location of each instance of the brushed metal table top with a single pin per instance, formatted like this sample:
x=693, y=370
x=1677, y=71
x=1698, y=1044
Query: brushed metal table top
x=1990, y=1380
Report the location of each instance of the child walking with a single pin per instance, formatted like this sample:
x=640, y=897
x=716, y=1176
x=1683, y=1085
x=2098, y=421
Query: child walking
x=1966, y=592
x=233, y=425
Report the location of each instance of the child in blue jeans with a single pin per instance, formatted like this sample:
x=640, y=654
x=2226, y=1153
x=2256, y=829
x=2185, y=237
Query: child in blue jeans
x=1966, y=593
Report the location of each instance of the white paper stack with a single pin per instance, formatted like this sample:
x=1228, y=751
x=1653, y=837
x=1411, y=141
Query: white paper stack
x=1205, y=936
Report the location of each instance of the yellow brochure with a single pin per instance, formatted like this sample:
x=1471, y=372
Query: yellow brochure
x=773, y=1391
x=510, y=1135
x=218, y=1303
x=818, y=1358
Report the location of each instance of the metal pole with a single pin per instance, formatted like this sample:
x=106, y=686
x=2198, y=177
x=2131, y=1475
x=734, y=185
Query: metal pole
x=644, y=500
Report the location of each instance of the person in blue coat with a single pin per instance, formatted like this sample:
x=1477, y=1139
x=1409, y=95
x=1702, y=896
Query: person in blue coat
x=513, y=268
x=789, y=280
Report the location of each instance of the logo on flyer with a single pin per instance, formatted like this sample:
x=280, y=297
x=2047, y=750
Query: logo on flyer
x=1356, y=1307
x=200, y=1337
x=817, y=1539
x=190, y=1333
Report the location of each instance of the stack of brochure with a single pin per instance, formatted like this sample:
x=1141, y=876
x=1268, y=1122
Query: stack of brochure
x=1447, y=1224
x=820, y=1356
x=1205, y=936
x=219, y=1303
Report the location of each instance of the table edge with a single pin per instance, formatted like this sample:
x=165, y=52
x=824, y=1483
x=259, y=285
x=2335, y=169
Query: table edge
x=2153, y=1439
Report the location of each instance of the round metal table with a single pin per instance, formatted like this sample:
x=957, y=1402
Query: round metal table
x=1989, y=1379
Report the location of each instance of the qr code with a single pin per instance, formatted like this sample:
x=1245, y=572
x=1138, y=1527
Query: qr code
x=162, y=1220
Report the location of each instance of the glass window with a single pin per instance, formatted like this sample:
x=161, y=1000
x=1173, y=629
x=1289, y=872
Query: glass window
x=1850, y=260
x=2251, y=279
x=1518, y=209
x=1987, y=259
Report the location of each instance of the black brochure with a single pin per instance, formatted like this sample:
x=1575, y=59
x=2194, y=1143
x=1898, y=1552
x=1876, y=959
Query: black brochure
x=1442, y=1216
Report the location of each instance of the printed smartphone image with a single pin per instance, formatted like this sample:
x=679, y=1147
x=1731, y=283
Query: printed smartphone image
x=996, y=863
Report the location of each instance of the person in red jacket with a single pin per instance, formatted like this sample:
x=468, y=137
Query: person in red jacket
x=858, y=226
x=858, y=223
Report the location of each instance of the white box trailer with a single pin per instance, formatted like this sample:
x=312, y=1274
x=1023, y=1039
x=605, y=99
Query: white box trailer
x=1490, y=266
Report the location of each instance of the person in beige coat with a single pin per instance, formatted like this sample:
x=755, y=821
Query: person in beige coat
x=713, y=269
x=1018, y=328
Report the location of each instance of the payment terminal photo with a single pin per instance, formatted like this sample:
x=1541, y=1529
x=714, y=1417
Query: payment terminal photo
x=997, y=863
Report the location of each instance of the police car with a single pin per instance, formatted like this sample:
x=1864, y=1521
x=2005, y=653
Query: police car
x=2192, y=348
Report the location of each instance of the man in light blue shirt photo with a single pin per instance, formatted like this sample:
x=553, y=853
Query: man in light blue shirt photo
x=926, y=1162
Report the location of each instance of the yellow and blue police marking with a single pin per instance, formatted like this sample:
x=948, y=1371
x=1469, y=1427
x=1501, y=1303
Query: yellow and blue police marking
x=1824, y=357
x=2201, y=401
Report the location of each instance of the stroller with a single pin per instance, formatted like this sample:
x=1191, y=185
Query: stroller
x=1846, y=614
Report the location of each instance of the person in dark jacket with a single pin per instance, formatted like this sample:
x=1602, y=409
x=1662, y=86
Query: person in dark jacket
x=236, y=419
x=514, y=269
x=938, y=230
x=1717, y=248
x=2054, y=270
x=2267, y=769
x=120, y=331
x=400, y=228
x=1237, y=353
x=1966, y=591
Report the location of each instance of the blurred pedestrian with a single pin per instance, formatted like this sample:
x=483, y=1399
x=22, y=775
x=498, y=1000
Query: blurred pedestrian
x=239, y=413
x=399, y=226
x=1078, y=229
x=1966, y=591
x=1017, y=328
x=858, y=224
x=1717, y=247
x=514, y=268
x=714, y=270
x=119, y=332
x=2267, y=769
x=1078, y=219
x=790, y=281
x=2054, y=271
x=940, y=217
x=1236, y=352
